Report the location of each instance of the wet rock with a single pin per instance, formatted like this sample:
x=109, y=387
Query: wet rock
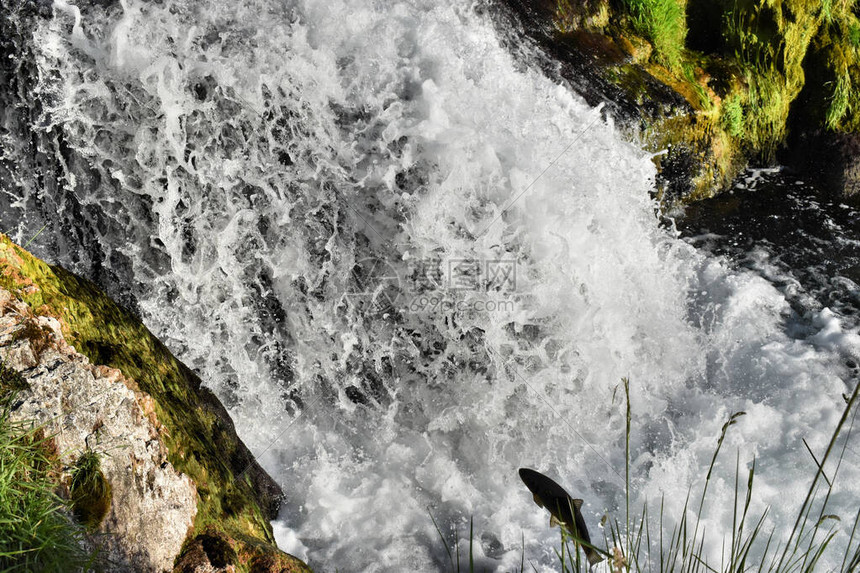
x=832, y=159
x=94, y=409
x=168, y=451
x=717, y=86
x=612, y=69
x=208, y=553
x=583, y=60
x=213, y=552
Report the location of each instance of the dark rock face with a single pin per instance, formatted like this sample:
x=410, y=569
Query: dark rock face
x=831, y=159
x=581, y=61
x=212, y=552
x=207, y=552
x=36, y=164
x=677, y=169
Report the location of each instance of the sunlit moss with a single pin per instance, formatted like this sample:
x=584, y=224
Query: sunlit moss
x=576, y=14
x=664, y=23
x=732, y=117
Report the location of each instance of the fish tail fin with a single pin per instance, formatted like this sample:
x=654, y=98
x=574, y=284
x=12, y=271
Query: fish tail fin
x=593, y=557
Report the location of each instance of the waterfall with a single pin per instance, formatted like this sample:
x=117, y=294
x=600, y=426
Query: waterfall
x=409, y=264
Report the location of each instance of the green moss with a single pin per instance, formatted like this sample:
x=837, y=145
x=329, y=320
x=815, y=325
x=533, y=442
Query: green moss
x=700, y=96
x=854, y=33
x=210, y=549
x=732, y=117
x=770, y=42
x=840, y=101
x=581, y=14
x=197, y=430
x=748, y=68
x=90, y=491
x=835, y=61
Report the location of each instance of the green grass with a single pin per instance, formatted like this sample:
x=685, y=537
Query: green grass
x=750, y=70
x=90, y=491
x=642, y=543
x=37, y=532
x=732, y=117
x=664, y=23
x=840, y=101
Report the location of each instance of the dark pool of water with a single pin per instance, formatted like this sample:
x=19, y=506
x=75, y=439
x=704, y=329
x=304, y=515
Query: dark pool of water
x=806, y=243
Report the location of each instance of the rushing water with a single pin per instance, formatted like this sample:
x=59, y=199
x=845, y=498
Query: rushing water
x=410, y=264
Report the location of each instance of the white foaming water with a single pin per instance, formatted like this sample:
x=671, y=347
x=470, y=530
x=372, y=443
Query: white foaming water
x=296, y=186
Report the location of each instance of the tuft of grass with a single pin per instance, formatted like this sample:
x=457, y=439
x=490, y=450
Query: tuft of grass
x=732, y=117
x=454, y=562
x=664, y=23
x=840, y=101
x=37, y=533
x=854, y=34
x=90, y=491
x=235, y=495
x=838, y=53
x=454, y=553
x=641, y=545
x=644, y=543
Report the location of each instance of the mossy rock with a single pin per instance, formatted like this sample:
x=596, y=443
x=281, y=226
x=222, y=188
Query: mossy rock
x=211, y=550
x=235, y=495
x=581, y=15
x=751, y=77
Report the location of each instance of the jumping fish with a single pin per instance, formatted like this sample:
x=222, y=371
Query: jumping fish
x=563, y=509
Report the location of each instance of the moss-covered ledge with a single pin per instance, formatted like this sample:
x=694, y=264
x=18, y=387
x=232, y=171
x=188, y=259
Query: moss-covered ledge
x=714, y=84
x=236, y=498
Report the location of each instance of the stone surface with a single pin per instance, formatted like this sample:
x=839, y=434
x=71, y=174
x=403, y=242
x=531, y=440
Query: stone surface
x=86, y=407
x=832, y=159
x=612, y=71
x=199, y=434
x=189, y=430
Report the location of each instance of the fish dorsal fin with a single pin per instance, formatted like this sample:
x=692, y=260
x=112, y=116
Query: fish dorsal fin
x=577, y=503
x=537, y=499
